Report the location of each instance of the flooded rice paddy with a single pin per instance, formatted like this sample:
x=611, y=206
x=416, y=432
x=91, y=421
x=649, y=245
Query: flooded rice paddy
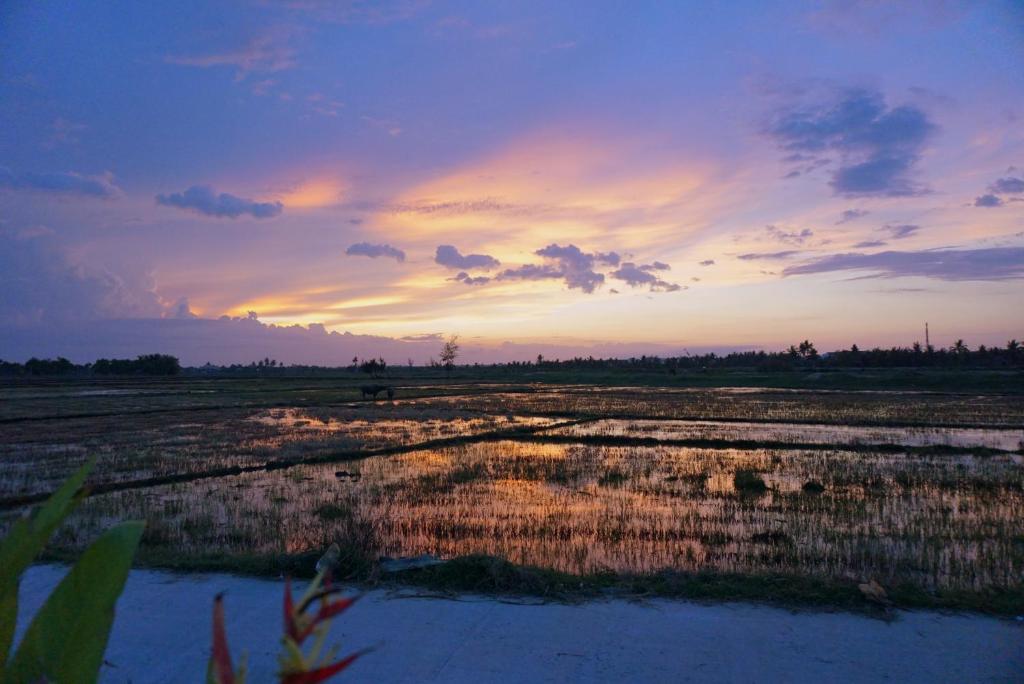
x=776, y=489
x=939, y=522
x=796, y=433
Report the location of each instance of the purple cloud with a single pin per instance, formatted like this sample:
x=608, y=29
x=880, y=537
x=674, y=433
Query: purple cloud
x=995, y=263
x=568, y=263
x=898, y=232
x=637, y=276
x=467, y=279
x=785, y=254
x=877, y=145
x=67, y=183
x=203, y=200
x=988, y=201
x=373, y=251
x=449, y=257
x=851, y=215
x=41, y=284
x=1008, y=186
x=789, y=237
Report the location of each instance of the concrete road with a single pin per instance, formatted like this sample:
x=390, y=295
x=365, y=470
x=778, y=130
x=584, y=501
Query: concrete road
x=162, y=634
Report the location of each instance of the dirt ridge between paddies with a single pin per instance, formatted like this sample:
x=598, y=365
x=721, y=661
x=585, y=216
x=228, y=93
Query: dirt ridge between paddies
x=18, y=501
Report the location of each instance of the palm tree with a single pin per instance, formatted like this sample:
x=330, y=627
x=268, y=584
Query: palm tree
x=959, y=348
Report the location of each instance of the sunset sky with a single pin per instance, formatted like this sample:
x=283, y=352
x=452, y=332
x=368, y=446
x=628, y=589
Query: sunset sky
x=616, y=177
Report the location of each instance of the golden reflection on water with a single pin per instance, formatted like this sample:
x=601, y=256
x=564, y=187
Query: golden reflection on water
x=936, y=521
x=132, y=450
x=796, y=433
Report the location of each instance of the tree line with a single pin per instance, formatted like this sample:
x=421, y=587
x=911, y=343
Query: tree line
x=146, y=364
x=802, y=356
x=805, y=355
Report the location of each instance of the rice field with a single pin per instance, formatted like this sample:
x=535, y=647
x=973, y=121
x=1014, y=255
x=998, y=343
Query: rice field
x=914, y=490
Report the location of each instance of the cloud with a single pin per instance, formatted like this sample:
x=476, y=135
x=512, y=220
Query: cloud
x=449, y=257
x=877, y=145
x=1007, y=186
x=374, y=251
x=229, y=340
x=988, y=201
x=456, y=207
x=424, y=337
x=899, y=232
x=205, y=200
x=870, y=243
x=67, y=183
x=467, y=279
x=63, y=132
x=357, y=11
x=577, y=266
x=785, y=254
x=996, y=263
x=269, y=53
x=789, y=237
x=851, y=215
x=531, y=272
x=708, y=262
x=638, y=276
x=180, y=309
x=41, y=285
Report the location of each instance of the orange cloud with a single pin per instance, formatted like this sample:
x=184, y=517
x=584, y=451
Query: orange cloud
x=547, y=188
x=320, y=192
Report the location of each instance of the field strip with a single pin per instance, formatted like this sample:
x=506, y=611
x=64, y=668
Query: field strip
x=522, y=411
x=847, y=422
x=355, y=403
x=750, y=444
x=332, y=457
x=535, y=435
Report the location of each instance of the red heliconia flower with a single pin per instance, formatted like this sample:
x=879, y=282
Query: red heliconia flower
x=221, y=670
x=297, y=667
x=322, y=673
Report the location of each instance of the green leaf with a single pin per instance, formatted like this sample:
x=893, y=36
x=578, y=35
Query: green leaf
x=25, y=540
x=8, y=616
x=68, y=636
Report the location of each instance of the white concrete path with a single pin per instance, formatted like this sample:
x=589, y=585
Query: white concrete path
x=162, y=634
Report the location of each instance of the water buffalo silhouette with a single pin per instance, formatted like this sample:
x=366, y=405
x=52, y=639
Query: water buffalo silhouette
x=374, y=390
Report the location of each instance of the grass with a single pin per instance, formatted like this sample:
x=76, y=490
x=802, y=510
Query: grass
x=332, y=511
x=491, y=576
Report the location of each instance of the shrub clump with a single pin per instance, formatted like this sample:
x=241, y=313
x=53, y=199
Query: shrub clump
x=749, y=482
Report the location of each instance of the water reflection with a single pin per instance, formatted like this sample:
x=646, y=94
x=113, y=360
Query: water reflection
x=795, y=433
x=168, y=444
x=935, y=521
